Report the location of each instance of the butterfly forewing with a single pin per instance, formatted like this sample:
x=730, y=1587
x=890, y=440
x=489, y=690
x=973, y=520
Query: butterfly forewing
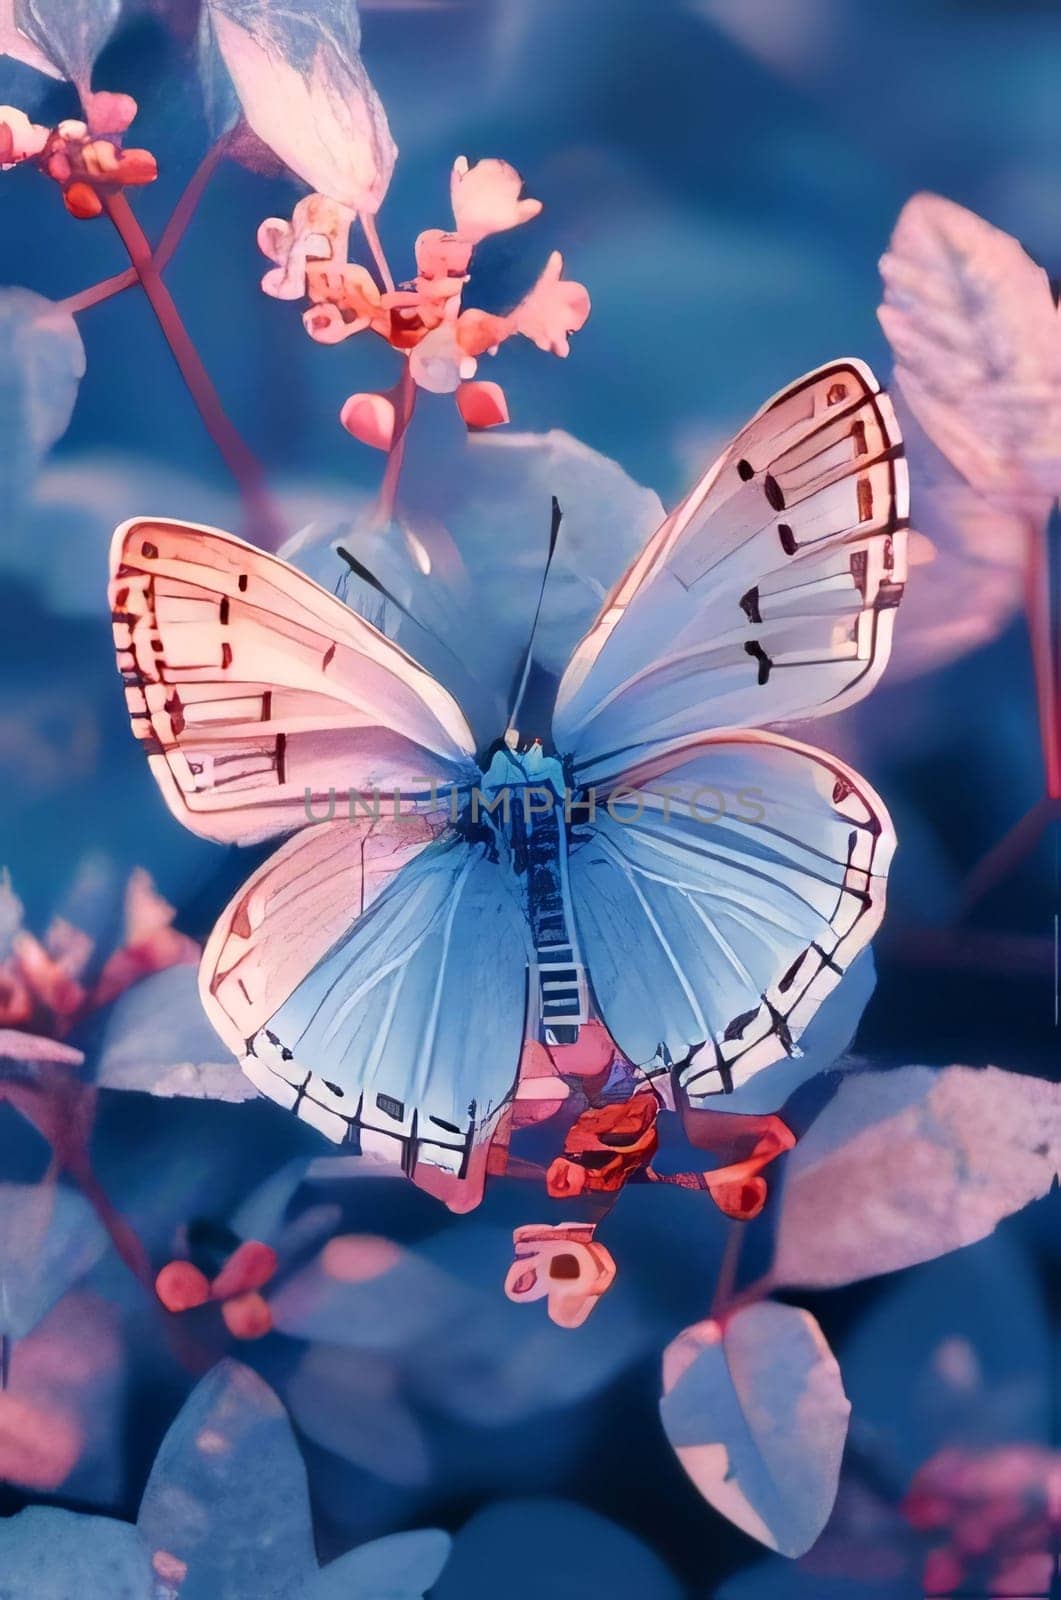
x=770, y=592
x=250, y=686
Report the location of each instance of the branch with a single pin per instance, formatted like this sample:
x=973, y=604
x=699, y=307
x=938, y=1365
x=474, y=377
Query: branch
x=1044, y=628
x=238, y=457
x=368, y=225
x=403, y=411
x=98, y=292
x=185, y=208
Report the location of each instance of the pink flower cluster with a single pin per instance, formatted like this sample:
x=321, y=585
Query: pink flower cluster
x=43, y=991
x=85, y=159
x=424, y=319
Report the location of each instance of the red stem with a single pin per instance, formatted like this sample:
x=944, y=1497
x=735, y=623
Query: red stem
x=185, y=208
x=98, y=292
x=727, y=1272
x=1046, y=648
x=404, y=405
x=245, y=467
x=368, y=226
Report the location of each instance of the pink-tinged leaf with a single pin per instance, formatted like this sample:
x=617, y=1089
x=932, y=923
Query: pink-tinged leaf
x=756, y=1412
x=358, y=1407
x=70, y=33
x=977, y=342
x=967, y=558
x=19, y=137
x=482, y=405
x=903, y=1166
x=14, y=43
x=554, y=308
x=370, y=418
x=485, y=199
x=15, y=1046
x=306, y=94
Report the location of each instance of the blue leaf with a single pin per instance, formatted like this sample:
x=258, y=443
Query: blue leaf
x=42, y=361
x=530, y=1549
x=402, y=1567
x=49, y=1239
x=158, y=1041
x=756, y=1412
x=227, y=1494
x=46, y=1554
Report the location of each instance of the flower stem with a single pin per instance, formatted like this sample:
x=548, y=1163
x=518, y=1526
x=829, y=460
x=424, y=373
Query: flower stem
x=368, y=224
x=1041, y=606
x=96, y=293
x=405, y=403
x=265, y=526
x=185, y=208
x=727, y=1272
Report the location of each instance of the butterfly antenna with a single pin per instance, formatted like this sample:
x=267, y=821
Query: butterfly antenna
x=359, y=570
x=554, y=533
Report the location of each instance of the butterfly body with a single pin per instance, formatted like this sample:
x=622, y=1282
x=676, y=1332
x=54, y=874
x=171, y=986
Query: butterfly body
x=527, y=802
x=696, y=880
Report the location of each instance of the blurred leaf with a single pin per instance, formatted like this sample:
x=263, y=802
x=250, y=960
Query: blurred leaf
x=227, y=1494
x=46, y=1554
x=527, y=1549
x=353, y=1403
x=71, y=1369
x=755, y=1410
x=967, y=558
x=158, y=1041
x=977, y=342
x=70, y=33
x=302, y=87
x=905, y=1165
x=788, y=1580
x=402, y=1567
x=469, y=554
x=366, y=1292
x=49, y=1239
x=42, y=361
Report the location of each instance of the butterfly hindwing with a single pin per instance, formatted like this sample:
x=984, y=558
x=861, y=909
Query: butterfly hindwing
x=373, y=978
x=722, y=896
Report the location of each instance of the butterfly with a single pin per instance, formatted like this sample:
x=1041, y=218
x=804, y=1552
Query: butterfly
x=662, y=861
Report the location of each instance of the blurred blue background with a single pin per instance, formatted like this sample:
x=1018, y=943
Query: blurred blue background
x=723, y=175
